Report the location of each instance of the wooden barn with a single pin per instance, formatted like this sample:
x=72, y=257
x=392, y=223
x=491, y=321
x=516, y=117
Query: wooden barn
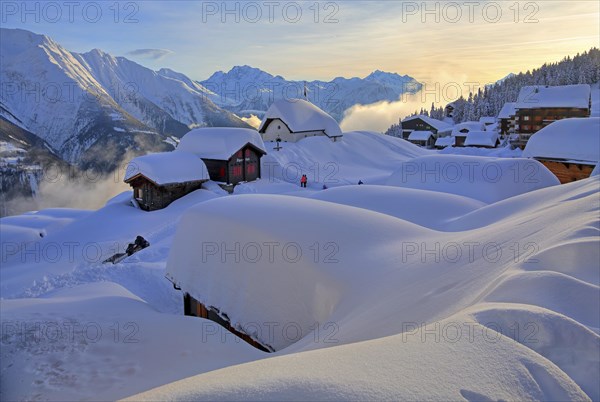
x=444, y=142
x=159, y=179
x=424, y=123
x=424, y=139
x=538, y=106
x=290, y=120
x=461, y=130
x=482, y=139
x=506, y=118
x=569, y=148
x=487, y=120
x=194, y=308
x=231, y=155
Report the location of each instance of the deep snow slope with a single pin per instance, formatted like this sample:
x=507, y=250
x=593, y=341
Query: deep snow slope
x=480, y=313
x=358, y=155
x=399, y=293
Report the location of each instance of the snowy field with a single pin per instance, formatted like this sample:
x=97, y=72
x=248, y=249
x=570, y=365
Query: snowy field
x=443, y=277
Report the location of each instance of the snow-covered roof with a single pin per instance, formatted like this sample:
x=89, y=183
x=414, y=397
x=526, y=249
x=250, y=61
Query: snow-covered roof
x=300, y=115
x=576, y=139
x=219, y=143
x=167, y=168
x=435, y=123
x=469, y=126
x=538, y=96
x=445, y=141
x=507, y=111
x=482, y=138
x=472, y=176
x=487, y=120
x=420, y=135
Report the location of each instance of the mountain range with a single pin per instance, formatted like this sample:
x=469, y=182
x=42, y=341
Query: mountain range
x=246, y=90
x=93, y=110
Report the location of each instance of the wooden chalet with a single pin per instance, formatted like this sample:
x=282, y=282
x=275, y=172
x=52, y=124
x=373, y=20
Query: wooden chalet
x=538, y=106
x=487, y=120
x=424, y=123
x=461, y=130
x=290, y=120
x=161, y=178
x=506, y=119
x=424, y=139
x=231, y=155
x=194, y=308
x=569, y=148
x=444, y=142
x=482, y=139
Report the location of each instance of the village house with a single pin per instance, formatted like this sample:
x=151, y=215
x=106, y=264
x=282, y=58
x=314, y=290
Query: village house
x=231, y=155
x=506, y=118
x=460, y=131
x=444, y=142
x=290, y=120
x=425, y=123
x=161, y=178
x=487, y=120
x=449, y=110
x=482, y=139
x=569, y=148
x=539, y=106
x=424, y=139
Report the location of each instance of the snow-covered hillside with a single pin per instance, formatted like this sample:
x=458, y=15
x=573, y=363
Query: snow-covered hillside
x=247, y=90
x=414, y=294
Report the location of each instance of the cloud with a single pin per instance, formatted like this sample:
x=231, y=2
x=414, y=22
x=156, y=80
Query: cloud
x=381, y=115
x=253, y=120
x=154, y=54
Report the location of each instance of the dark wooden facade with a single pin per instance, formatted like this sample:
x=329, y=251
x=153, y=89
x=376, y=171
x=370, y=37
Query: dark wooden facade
x=193, y=307
x=506, y=126
x=429, y=143
x=416, y=125
x=244, y=165
x=461, y=137
x=529, y=121
x=151, y=196
x=567, y=172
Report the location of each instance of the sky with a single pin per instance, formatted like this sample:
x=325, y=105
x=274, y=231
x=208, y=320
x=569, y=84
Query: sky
x=435, y=42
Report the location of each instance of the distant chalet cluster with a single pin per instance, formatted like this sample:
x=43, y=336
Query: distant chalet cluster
x=227, y=156
x=569, y=149
x=551, y=123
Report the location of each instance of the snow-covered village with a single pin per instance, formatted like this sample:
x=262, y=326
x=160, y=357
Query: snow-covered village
x=363, y=201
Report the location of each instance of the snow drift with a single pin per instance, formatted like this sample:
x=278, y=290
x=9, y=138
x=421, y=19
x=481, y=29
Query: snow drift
x=484, y=179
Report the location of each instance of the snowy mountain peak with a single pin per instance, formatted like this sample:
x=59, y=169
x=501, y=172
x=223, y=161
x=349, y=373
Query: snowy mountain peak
x=382, y=76
x=377, y=86
x=109, y=95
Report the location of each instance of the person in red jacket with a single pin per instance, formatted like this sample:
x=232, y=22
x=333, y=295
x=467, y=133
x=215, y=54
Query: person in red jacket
x=303, y=181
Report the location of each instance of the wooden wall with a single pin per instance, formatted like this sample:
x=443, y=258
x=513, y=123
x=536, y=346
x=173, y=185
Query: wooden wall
x=568, y=172
x=193, y=307
x=155, y=197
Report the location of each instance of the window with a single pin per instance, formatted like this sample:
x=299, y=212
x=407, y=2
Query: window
x=526, y=118
x=138, y=193
x=278, y=127
x=237, y=170
x=240, y=154
x=250, y=169
x=247, y=153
